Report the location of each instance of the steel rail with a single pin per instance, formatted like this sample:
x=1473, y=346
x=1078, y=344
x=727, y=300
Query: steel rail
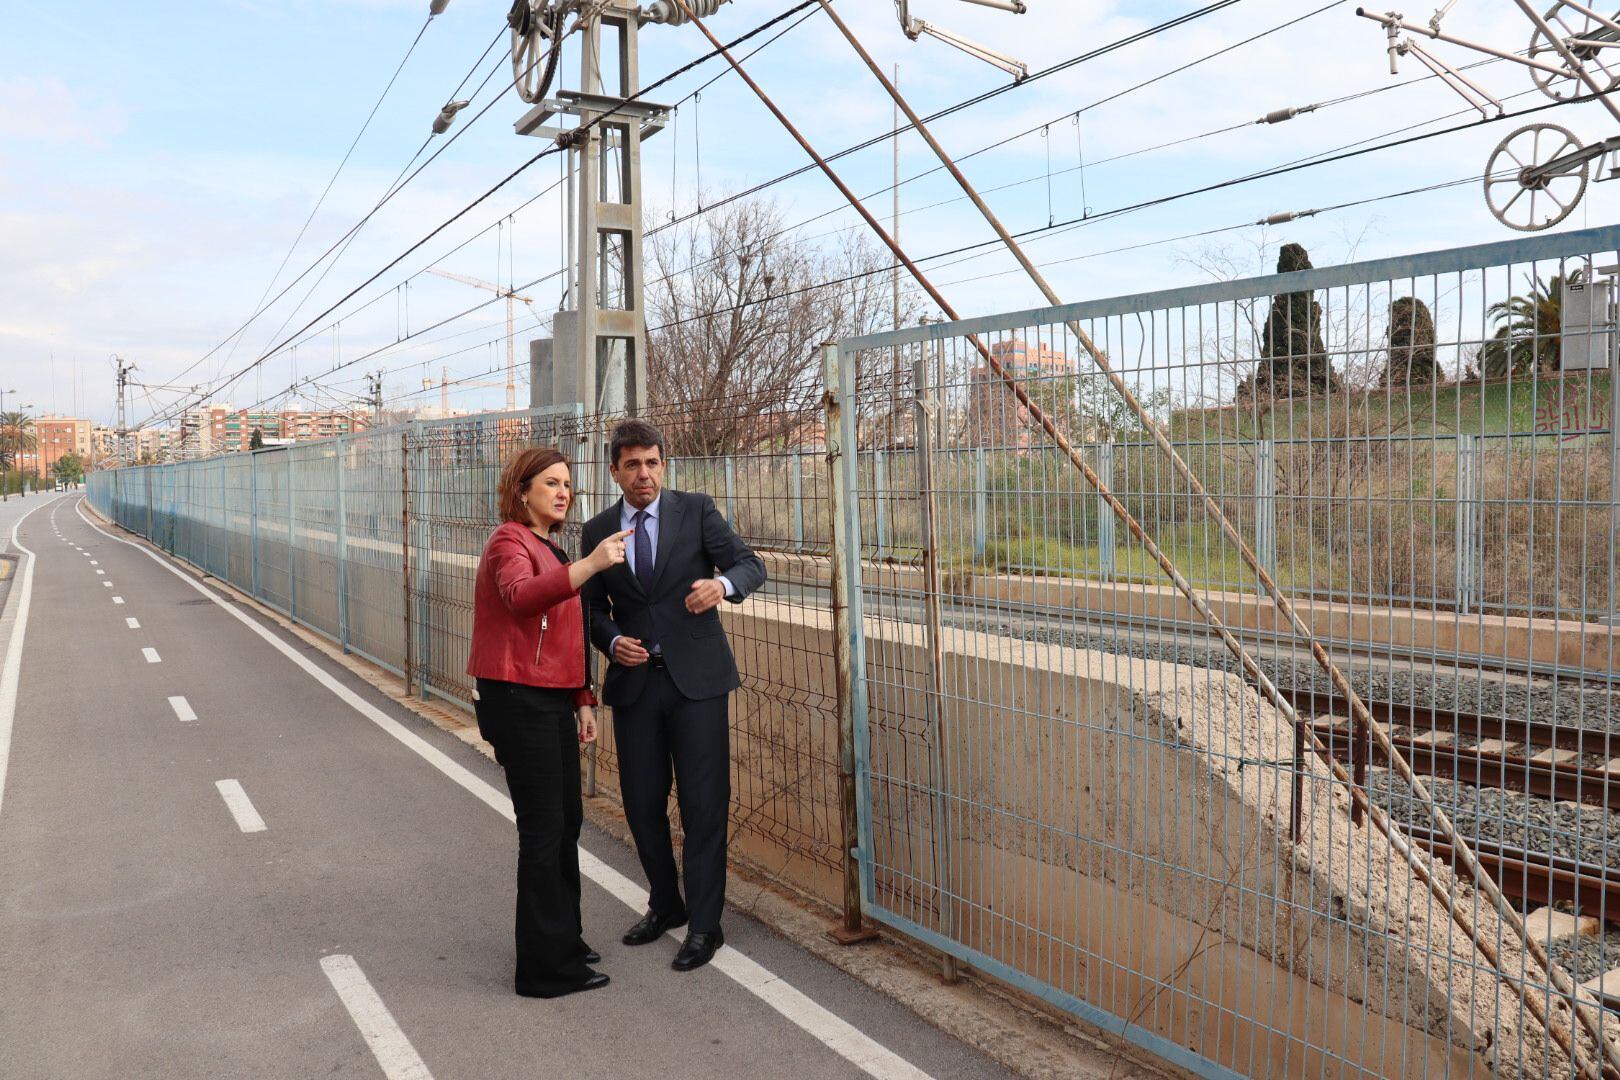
x=1551, y=780
x=1539, y=877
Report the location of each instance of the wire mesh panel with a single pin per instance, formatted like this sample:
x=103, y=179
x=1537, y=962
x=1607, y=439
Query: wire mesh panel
x=370, y=472
x=1118, y=792
x=374, y=540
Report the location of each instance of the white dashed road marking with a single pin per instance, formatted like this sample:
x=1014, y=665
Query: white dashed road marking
x=236, y=800
x=118, y=599
x=395, y=1055
x=151, y=655
x=182, y=709
x=133, y=624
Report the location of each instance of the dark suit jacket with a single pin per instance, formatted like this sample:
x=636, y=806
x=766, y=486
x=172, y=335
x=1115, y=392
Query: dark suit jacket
x=694, y=542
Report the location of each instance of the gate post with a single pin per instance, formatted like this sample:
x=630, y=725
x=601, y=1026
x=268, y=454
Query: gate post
x=253, y=524
x=934, y=694
x=1106, y=537
x=342, y=550
x=405, y=555
x=292, y=534
x=848, y=655
x=1265, y=507
x=1468, y=546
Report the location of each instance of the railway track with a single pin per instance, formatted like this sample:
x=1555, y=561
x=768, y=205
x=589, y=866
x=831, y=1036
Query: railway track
x=1535, y=877
x=1526, y=755
x=1519, y=755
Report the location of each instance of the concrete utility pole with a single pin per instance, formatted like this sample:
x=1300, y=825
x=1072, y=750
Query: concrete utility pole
x=598, y=350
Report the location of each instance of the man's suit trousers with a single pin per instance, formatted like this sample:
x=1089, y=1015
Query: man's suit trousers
x=663, y=727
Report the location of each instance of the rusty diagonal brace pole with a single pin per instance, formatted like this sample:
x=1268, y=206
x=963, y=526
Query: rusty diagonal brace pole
x=1487, y=884
x=1560, y=1032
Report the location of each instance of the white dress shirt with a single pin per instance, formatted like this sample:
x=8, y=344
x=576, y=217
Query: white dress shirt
x=627, y=520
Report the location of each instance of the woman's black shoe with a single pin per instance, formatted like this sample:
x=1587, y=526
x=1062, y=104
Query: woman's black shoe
x=594, y=981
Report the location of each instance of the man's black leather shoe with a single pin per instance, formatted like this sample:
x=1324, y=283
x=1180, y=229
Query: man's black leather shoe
x=594, y=981
x=698, y=950
x=653, y=926
x=592, y=956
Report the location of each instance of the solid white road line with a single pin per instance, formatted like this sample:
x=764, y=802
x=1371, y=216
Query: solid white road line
x=848, y=1041
x=236, y=800
x=118, y=599
x=395, y=1055
x=151, y=655
x=133, y=624
x=11, y=670
x=182, y=709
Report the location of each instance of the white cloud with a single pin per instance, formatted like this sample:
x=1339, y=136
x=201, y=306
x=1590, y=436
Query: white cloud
x=44, y=110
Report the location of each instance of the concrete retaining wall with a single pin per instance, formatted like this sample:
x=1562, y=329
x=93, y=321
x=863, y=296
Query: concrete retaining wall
x=1120, y=829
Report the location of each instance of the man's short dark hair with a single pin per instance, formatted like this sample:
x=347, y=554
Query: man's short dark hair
x=632, y=433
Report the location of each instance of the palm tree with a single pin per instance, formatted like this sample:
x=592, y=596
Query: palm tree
x=16, y=437
x=1528, y=330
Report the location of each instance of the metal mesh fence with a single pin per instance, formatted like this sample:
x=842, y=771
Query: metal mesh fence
x=373, y=540
x=1061, y=776
x=1066, y=780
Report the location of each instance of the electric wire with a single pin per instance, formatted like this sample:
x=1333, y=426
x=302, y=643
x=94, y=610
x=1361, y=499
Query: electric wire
x=392, y=190
x=330, y=183
x=967, y=103
x=596, y=121
x=880, y=270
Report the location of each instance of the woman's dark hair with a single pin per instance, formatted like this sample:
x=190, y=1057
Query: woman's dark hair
x=630, y=433
x=521, y=468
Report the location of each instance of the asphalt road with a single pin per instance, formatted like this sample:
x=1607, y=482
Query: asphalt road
x=365, y=929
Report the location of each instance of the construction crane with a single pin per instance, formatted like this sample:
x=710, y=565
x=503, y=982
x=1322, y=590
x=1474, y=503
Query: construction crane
x=511, y=348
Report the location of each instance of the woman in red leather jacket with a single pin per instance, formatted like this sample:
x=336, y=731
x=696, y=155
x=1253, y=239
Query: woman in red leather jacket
x=534, y=706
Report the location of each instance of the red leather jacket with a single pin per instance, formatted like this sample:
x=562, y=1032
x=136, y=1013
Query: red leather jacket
x=528, y=626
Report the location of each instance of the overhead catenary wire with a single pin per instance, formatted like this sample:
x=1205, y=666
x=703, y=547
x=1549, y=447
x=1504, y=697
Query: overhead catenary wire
x=1071, y=115
x=977, y=249
x=1070, y=224
x=967, y=103
x=805, y=9
x=1041, y=232
x=601, y=118
x=388, y=194
x=834, y=283
x=332, y=181
x=399, y=183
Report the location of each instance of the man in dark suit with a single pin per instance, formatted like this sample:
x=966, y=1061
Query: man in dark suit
x=668, y=681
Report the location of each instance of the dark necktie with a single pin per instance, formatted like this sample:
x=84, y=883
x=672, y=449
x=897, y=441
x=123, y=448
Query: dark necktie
x=644, y=551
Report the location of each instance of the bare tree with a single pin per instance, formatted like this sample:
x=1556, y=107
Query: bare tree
x=737, y=311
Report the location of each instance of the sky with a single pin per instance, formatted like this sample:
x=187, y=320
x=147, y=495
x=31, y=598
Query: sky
x=158, y=160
